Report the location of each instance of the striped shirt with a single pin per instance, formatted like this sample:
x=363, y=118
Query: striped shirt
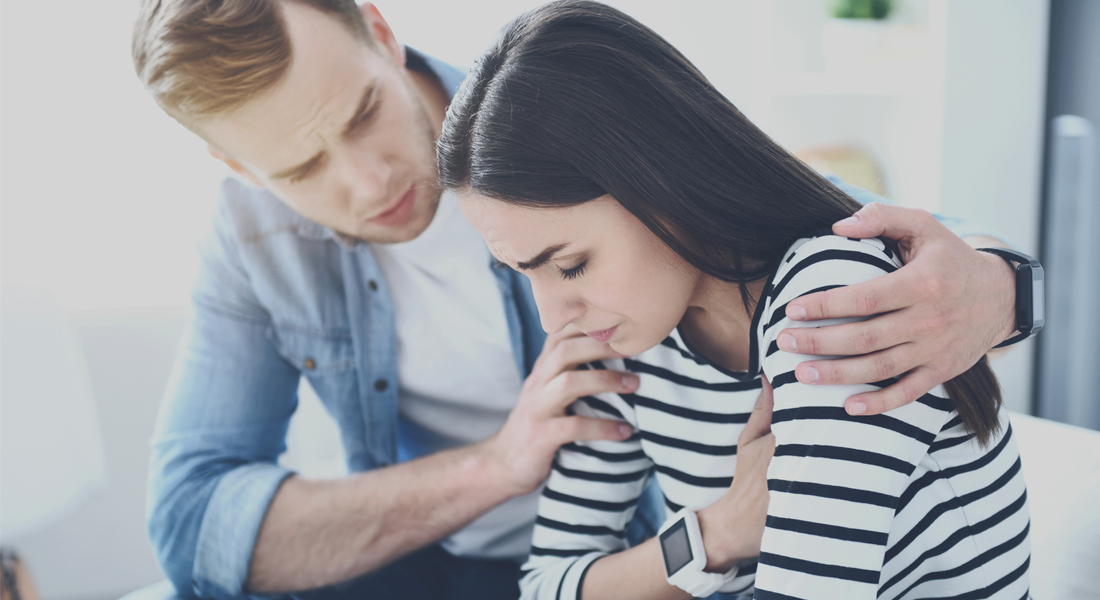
x=899, y=505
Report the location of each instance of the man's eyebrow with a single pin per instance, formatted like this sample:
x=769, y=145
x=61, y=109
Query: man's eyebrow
x=301, y=169
x=364, y=104
x=541, y=259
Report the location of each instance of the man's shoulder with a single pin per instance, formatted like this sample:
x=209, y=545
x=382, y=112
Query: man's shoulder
x=249, y=214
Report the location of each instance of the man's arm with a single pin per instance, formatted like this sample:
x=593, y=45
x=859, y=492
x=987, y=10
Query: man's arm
x=937, y=315
x=338, y=529
x=225, y=518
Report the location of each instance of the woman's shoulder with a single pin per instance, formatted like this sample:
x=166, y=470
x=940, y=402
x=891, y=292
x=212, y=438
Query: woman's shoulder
x=821, y=259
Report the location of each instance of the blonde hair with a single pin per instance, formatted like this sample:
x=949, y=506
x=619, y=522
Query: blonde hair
x=200, y=58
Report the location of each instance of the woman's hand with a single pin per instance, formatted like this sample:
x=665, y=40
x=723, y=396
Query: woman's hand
x=932, y=319
x=733, y=526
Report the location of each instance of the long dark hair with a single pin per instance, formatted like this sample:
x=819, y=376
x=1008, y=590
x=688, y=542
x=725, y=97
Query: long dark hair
x=576, y=100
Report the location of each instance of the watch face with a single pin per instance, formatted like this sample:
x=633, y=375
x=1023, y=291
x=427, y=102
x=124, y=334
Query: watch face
x=675, y=547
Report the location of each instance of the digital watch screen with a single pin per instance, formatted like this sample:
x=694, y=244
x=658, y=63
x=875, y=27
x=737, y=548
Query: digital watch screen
x=676, y=547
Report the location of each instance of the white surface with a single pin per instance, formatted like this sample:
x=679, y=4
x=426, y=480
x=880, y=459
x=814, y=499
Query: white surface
x=100, y=549
x=50, y=452
x=1062, y=467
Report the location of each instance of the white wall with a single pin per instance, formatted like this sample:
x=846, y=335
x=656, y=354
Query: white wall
x=995, y=91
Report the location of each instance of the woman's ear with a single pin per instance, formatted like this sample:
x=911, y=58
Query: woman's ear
x=382, y=34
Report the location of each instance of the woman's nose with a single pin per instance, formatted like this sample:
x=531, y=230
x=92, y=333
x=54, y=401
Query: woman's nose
x=556, y=309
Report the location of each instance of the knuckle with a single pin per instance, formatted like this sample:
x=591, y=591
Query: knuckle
x=884, y=366
x=937, y=323
x=829, y=373
x=562, y=384
x=867, y=340
x=867, y=302
x=809, y=341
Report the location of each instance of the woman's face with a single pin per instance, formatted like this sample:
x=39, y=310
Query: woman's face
x=594, y=267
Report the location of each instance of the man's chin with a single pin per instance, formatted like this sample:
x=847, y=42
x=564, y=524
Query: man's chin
x=411, y=228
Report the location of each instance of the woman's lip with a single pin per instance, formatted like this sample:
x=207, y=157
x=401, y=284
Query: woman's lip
x=602, y=335
x=399, y=212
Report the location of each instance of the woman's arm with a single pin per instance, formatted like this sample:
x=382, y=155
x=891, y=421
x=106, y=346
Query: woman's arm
x=589, y=498
x=836, y=479
x=731, y=527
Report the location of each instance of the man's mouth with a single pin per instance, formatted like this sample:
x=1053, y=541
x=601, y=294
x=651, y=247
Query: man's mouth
x=398, y=213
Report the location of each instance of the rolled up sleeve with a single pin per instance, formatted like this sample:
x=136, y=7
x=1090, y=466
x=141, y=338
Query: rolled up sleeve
x=221, y=428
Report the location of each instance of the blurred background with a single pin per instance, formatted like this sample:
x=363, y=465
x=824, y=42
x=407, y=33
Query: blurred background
x=955, y=106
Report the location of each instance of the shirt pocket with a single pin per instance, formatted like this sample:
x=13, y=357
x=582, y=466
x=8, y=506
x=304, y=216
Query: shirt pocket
x=314, y=352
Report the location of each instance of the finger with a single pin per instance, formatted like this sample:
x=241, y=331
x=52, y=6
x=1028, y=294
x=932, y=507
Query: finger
x=849, y=339
x=564, y=389
x=907, y=389
x=760, y=421
x=553, y=339
x=884, y=293
x=572, y=429
x=568, y=353
x=877, y=219
x=869, y=368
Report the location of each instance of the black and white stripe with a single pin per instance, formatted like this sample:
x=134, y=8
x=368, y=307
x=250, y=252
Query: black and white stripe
x=902, y=505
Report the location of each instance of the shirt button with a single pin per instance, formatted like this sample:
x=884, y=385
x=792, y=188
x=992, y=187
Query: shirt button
x=373, y=285
x=381, y=385
x=310, y=364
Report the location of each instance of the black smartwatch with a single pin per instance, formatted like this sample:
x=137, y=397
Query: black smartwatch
x=1030, y=287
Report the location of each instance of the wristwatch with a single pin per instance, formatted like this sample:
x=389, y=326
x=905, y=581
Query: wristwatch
x=1030, y=287
x=685, y=558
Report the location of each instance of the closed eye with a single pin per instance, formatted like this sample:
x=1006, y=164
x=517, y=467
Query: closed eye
x=574, y=272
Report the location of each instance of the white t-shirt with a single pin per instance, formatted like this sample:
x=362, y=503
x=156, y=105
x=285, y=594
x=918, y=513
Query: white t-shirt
x=457, y=374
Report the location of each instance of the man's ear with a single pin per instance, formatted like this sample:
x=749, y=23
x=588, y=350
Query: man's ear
x=232, y=163
x=383, y=35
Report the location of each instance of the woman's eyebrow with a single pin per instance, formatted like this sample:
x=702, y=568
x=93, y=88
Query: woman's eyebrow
x=541, y=259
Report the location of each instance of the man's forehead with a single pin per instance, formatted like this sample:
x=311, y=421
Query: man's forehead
x=328, y=74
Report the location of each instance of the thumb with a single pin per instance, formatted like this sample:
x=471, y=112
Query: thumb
x=877, y=219
x=760, y=421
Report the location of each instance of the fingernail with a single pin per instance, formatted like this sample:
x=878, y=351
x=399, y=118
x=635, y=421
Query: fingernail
x=809, y=375
x=848, y=222
x=796, y=313
x=630, y=381
x=787, y=343
x=626, y=430
x=857, y=408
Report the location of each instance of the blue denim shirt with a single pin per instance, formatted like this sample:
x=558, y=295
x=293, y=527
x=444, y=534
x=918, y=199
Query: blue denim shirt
x=278, y=298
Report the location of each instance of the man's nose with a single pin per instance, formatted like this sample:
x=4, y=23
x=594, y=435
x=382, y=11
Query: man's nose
x=556, y=309
x=368, y=177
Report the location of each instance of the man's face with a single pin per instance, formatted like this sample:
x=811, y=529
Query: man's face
x=346, y=138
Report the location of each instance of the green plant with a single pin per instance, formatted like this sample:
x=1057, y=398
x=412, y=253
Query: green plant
x=861, y=9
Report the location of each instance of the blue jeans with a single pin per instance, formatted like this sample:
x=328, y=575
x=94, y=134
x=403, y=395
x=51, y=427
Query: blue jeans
x=430, y=573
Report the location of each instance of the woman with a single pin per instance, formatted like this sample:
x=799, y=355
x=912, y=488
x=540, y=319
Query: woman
x=651, y=215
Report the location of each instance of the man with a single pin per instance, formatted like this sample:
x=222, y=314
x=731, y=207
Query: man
x=342, y=264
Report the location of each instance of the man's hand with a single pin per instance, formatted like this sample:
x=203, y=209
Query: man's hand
x=937, y=315
x=524, y=448
x=733, y=526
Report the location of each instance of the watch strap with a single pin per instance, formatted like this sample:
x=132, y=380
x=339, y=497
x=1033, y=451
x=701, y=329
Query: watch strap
x=1017, y=260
